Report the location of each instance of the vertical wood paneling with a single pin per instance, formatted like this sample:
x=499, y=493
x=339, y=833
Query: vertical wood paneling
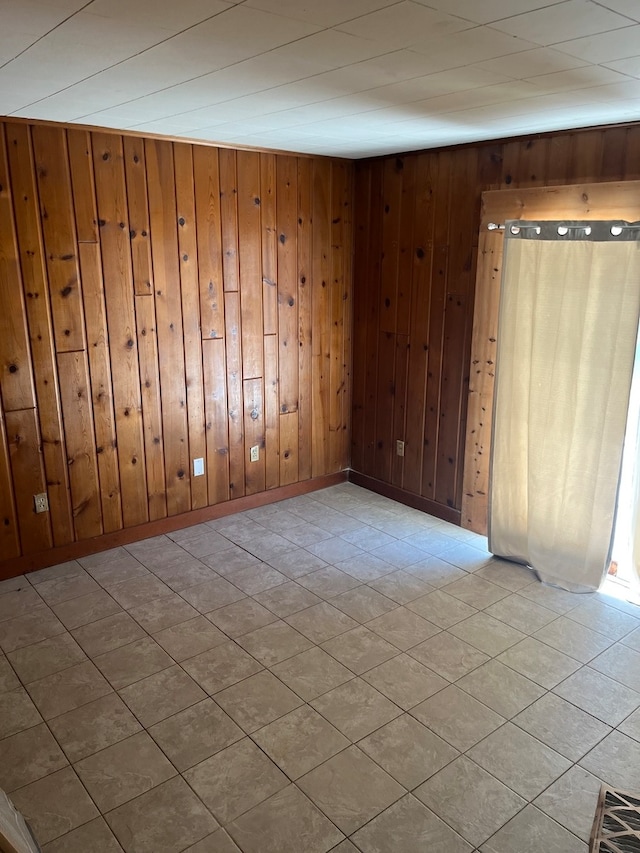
x=305, y=322
x=250, y=251
x=9, y=536
x=321, y=336
x=108, y=160
x=27, y=471
x=362, y=297
x=15, y=358
x=229, y=218
x=58, y=223
x=255, y=472
x=215, y=390
x=286, y=195
x=81, y=444
x=269, y=238
x=162, y=302
x=36, y=293
x=207, y=184
x=164, y=247
x=188, y=252
x=235, y=401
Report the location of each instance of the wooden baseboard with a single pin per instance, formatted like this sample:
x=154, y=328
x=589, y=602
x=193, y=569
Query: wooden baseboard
x=446, y=513
x=53, y=556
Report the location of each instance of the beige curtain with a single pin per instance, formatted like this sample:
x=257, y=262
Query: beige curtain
x=567, y=332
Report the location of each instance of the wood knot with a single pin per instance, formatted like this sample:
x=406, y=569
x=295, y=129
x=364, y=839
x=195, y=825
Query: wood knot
x=66, y=290
x=13, y=368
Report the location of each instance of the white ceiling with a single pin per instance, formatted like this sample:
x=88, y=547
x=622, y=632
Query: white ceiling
x=351, y=78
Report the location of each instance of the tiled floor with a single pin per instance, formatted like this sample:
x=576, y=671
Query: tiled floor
x=333, y=672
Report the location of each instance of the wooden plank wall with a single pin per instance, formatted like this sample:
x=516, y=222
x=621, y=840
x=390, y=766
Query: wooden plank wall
x=416, y=224
x=160, y=302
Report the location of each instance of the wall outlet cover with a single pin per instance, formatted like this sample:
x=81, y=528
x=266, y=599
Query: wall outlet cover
x=254, y=453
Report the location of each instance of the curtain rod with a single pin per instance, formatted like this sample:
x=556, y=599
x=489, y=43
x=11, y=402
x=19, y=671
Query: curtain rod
x=616, y=229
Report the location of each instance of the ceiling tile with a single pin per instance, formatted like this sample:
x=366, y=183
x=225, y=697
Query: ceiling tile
x=325, y=14
x=604, y=47
x=488, y=10
x=630, y=8
x=563, y=21
x=472, y=45
x=399, y=25
x=629, y=66
x=335, y=48
x=164, y=13
x=541, y=60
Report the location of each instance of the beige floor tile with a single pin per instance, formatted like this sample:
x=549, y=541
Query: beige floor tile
x=400, y=586
x=63, y=691
x=441, y=609
x=408, y=751
x=610, y=621
x=287, y=598
x=107, y=634
x=448, y=656
x=408, y=825
x=403, y=628
x=196, y=733
x=94, y=726
x=321, y=622
x=17, y=712
x=631, y=726
x=522, y=762
x=46, y=657
x=555, y=599
x=29, y=628
x=61, y=570
x=118, y=571
x=619, y=662
x=127, y=664
x=278, y=824
x=457, y=717
x=15, y=584
x=598, y=695
x=572, y=801
x=436, y=572
x=229, y=560
x=139, y=591
x=307, y=534
x=365, y=567
x=218, y=842
x=164, y=819
x=221, y=667
x=257, y=700
x=257, y=578
x=19, y=602
x=312, y=673
x=161, y=695
x=328, y=582
x=28, y=756
x=107, y=558
x=433, y=541
x=476, y=591
x=539, y=662
x=565, y=728
x=470, y=800
x=531, y=831
x=297, y=562
x=54, y=805
x=500, y=688
x=363, y=603
x=85, y=609
x=345, y=847
x=573, y=639
x=184, y=573
x=405, y=681
x=8, y=679
x=274, y=643
x=509, y=575
x=615, y=760
x=235, y=780
x=360, y=649
x=522, y=614
x=123, y=771
x=632, y=640
x=241, y=617
x=400, y=553
x=163, y=613
x=356, y=708
x=467, y=557
x=489, y=635
x=350, y=789
x=94, y=836
x=368, y=538
x=190, y=638
x=300, y=741
x=212, y=594
x=334, y=550
x=57, y=590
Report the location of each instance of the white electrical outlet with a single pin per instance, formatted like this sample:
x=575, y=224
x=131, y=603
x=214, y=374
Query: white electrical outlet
x=198, y=467
x=254, y=453
x=41, y=502
x=400, y=448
